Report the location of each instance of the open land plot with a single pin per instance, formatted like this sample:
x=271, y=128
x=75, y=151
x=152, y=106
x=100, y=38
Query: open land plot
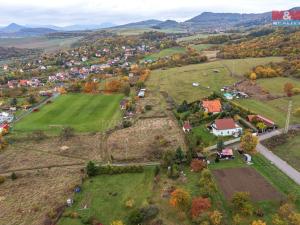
x=290, y=151
x=146, y=137
x=275, y=110
x=165, y=52
x=48, y=44
x=105, y=196
x=202, y=47
x=31, y=196
x=177, y=82
x=83, y=112
x=245, y=180
x=276, y=85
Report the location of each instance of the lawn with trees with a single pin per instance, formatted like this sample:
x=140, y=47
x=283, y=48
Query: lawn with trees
x=83, y=112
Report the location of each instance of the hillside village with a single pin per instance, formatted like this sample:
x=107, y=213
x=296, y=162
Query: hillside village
x=154, y=128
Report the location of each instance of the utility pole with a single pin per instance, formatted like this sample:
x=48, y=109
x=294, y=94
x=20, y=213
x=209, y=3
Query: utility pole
x=287, y=123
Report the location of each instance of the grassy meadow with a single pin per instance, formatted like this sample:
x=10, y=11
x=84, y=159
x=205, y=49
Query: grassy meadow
x=165, y=52
x=275, y=85
x=83, y=112
x=106, y=207
x=178, y=81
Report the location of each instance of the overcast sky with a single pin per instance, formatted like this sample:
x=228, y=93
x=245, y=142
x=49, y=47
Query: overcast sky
x=68, y=12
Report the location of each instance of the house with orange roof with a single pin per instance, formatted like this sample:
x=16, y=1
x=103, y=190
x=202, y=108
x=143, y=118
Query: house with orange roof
x=212, y=106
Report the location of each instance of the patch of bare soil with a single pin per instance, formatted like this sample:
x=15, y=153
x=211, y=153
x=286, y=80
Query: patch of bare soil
x=255, y=91
x=245, y=180
x=29, y=198
x=145, y=140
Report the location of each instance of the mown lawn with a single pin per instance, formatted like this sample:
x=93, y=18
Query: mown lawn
x=97, y=195
x=275, y=110
x=177, y=82
x=165, y=52
x=83, y=112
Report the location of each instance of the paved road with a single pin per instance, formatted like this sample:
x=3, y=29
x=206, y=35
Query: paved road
x=278, y=162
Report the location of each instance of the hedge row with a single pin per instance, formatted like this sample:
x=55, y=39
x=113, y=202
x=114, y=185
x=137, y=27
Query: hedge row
x=119, y=169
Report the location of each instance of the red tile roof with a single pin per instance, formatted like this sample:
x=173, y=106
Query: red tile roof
x=225, y=124
x=212, y=106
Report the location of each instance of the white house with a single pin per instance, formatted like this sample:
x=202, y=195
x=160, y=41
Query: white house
x=226, y=127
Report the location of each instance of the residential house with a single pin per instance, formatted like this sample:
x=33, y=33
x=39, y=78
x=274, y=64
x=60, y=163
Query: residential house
x=186, y=127
x=212, y=106
x=226, y=127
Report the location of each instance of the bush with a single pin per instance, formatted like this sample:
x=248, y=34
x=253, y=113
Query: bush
x=91, y=169
x=127, y=123
x=38, y=135
x=13, y=176
x=2, y=179
x=148, y=107
x=135, y=217
x=156, y=171
x=149, y=212
x=129, y=203
x=197, y=165
x=67, y=132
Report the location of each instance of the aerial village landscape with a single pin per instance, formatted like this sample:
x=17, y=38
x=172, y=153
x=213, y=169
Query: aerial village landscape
x=152, y=122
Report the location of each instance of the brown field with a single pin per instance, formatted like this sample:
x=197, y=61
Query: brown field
x=245, y=180
x=145, y=139
x=28, y=199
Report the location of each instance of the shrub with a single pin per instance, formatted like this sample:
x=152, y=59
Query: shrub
x=156, y=170
x=13, y=176
x=199, y=205
x=241, y=203
x=2, y=179
x=127, y=123
x=149, y=212
x=129, y=203
x=215, y=217
x=180, y=199
x=197, y=165
x=38, y=135
x=135, y=217
x=91, y=169
x=117, y=222
x=148, y=107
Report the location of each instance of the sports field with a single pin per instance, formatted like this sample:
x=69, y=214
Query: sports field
x=177, y=82
x=83, y=112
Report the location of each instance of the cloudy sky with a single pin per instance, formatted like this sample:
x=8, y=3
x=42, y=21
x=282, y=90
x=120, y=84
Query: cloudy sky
x=68, y=12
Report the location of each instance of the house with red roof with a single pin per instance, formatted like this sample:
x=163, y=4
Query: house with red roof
x=212, y=106
x=226, y=127
x=186, y=127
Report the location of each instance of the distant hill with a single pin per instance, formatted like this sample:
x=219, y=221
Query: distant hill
x=15, y=30
x=168, y=24
x=141, y=24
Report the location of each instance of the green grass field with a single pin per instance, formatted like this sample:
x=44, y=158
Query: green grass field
x=178, y=81
x=202, y=47
x=105, y=207
x=275, y=85
x=275, y=110
x=83, y=112
x=165, y=52
x=290, y=151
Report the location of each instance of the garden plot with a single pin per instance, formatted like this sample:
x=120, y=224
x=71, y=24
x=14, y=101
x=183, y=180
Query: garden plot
x=245, y=180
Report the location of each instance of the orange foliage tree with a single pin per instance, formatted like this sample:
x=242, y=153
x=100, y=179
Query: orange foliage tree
x=180, y=199
x=113, y=85
x=91, y=87
x=199, y=205
x=288, y=87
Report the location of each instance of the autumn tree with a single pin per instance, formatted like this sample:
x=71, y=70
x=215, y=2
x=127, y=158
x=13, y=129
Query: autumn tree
x=113, y=85
x=253, y=77
x=249, y=142
x=199, y=205
x=207, y=184
x=91, y=87
x=215, y=217
x=288, y=87
x=294, y=218
x=180, y=199
x=241, y=203
x=197, y=165
x=117, y=222
x=258, y=222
